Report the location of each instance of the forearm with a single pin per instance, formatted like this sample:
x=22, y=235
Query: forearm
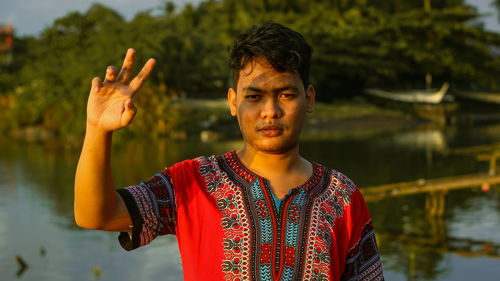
x=109, y=108
x=95, y=195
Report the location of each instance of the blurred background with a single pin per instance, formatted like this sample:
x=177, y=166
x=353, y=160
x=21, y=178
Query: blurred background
x=408, y=107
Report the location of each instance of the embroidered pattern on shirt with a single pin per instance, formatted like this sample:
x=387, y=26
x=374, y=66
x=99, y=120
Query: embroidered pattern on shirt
x=156, y=204
x=264, y=243
x=329, y=206
x=363, y=260
x=235, y=225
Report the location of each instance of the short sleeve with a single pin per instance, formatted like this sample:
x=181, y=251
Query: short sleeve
x=151, y=206
x=363, y=259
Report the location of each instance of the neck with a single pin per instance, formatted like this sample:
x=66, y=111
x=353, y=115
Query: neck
x=263, y=163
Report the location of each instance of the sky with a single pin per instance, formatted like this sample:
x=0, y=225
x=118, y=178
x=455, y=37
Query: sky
x=30, y=17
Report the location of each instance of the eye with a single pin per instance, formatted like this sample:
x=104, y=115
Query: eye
x=252, y=97
x=287, y=95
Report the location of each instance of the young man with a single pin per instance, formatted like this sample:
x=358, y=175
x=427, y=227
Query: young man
x=259, y=213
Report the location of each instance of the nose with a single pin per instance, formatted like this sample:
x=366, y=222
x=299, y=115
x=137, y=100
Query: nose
x=271, y=109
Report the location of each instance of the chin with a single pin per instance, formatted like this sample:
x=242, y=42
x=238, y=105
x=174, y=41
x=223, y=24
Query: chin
x=274, y=147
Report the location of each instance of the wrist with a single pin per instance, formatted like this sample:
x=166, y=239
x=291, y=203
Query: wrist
x=97, y=130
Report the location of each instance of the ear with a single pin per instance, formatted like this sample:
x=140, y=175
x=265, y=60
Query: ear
x=231, y=98
x=310, y=96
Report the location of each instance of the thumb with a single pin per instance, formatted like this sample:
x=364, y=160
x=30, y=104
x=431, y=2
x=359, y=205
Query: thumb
x=128, y=113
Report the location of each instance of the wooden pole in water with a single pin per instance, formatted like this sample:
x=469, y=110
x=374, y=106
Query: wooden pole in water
x=427, y=5
x=428, y=186
x=428, y=75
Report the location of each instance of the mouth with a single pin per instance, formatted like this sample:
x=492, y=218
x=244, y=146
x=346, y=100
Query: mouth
x=271, y=130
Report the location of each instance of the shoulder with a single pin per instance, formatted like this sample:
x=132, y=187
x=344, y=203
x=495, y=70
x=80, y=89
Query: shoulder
x=341, y=181
x=337, y=180
x=340, y=190
x=200, y=164
x=207, y=165
x=192, y=174
x=343, y=200
x=190, y=169
x=201, y=167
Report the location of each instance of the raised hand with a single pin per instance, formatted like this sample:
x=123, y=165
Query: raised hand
x=110, y=105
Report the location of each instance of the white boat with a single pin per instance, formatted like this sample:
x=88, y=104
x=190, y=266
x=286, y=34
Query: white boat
x=431, y=96
x=486, y=97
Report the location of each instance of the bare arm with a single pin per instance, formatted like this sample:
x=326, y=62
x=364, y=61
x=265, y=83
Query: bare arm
x=109, y=108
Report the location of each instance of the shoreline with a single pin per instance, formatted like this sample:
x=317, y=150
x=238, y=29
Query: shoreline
x=210, y=120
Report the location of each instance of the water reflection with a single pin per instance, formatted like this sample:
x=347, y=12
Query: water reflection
x=36, y=206
x=418, y=244
x=432, y=139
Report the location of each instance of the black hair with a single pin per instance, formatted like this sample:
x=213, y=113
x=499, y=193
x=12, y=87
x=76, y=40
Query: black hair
x=285, y=50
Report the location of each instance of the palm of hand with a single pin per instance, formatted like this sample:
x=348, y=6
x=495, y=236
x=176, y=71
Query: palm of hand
x=107, y=108
x=110, y=105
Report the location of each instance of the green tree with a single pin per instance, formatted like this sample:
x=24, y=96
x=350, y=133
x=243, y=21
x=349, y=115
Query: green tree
x=357, y=44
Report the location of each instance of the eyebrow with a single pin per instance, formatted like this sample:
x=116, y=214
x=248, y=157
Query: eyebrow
x=279, y=89
x=253, y=89
x=286, y=88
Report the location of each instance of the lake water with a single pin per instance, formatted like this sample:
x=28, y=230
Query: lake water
x=37, y=226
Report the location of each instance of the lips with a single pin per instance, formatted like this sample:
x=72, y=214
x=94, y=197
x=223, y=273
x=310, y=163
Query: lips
x=270, y=130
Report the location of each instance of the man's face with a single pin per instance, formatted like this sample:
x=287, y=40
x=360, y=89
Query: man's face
x=271, y=106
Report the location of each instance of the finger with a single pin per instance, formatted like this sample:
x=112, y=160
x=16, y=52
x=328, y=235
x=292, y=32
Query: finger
x=129, y=113
x=110, y=74
x=139, y=80
x=128, y=62
x=96, y=85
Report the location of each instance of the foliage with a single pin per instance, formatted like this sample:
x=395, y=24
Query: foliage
x=357, y=44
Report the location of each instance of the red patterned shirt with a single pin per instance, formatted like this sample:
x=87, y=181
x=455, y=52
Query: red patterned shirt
x=229, y=227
